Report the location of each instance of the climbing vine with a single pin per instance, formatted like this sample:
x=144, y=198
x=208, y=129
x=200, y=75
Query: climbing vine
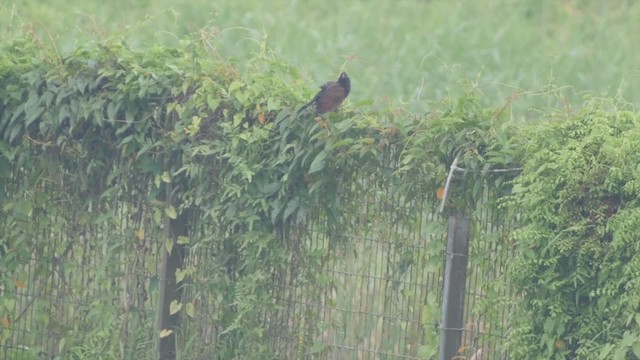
x=111, y=140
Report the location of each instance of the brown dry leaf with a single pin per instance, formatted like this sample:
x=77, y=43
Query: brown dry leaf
x=261, y=118
x=5, y=321
x=20, y=284
x=440, y=193
x=560, y=345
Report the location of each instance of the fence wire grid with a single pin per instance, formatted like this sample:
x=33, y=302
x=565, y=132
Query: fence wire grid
x=375, y=295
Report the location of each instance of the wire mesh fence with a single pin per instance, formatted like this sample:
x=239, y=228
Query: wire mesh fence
x=374, y=290
x=68, y=283
x=371, y=291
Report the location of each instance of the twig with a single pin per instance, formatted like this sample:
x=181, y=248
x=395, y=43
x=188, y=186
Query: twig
x=454, y=165
x=463, y=170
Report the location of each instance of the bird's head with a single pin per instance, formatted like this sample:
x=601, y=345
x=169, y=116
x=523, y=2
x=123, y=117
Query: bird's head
x=345, y=82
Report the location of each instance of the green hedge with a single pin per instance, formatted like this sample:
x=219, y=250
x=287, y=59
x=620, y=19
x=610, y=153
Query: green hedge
x=577, y=266
x=106, y=125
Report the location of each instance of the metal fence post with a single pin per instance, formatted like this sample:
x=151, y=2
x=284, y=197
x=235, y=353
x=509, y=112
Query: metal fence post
x=455, y=278
x=170, y=288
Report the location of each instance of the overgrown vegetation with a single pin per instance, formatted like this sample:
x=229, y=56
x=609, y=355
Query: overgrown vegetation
x=101, y=146
x=576, y=268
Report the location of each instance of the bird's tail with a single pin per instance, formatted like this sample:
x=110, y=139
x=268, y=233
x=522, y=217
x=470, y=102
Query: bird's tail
x=305, y=106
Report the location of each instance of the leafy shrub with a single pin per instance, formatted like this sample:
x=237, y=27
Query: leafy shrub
x=577, y=265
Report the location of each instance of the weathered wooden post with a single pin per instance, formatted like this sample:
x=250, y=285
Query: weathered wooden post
x=455, y=278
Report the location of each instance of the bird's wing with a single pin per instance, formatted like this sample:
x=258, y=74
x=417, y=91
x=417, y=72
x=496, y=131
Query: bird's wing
x=315, y=98
x=330, y=97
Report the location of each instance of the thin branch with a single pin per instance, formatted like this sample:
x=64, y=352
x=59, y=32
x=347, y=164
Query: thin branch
x=463, y=170
x=454, y=165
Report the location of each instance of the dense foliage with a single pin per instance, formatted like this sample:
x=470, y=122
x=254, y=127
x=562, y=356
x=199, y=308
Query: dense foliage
x=156, y=134
x=577, y=263
x=108, y=133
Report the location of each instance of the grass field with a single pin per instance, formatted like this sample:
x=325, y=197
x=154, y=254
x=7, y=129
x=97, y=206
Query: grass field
x=411, y=51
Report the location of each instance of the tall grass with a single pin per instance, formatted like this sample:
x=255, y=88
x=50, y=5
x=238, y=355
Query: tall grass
x=539, y=51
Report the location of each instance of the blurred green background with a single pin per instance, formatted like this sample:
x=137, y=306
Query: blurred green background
x=540, y=52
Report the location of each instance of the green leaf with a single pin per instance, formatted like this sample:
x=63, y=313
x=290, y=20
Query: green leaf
x=235, y=85
x=112, y=110
x=33, y=113
x=174, y=307
x=636, y=349
x=213, y=102
x=318, y=163
x=171, y=212
x=181, y=274
x=64, y=113
x=190, y=309
x=343, y=143
x=620, y=354
x=271, y=188
x=628, y=339
x=5, y=150
x=292, y=206
x=15, y=131
x=166, y=178
x=168, y=244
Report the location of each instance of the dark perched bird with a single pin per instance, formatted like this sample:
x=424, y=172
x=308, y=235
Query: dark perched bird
x=331, y=95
